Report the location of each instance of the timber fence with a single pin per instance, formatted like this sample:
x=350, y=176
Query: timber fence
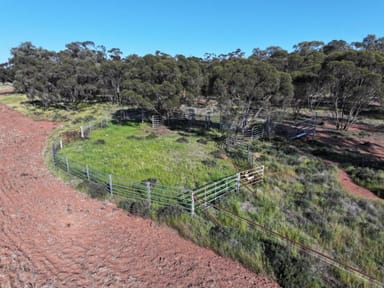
x=121, y=188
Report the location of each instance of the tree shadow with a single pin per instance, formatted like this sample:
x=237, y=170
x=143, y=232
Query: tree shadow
x=333, y=145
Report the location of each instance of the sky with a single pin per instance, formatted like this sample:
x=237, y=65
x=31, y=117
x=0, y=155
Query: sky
x=188, y=27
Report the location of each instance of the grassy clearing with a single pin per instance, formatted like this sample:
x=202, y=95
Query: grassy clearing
x=71, y=117
x=139, y=152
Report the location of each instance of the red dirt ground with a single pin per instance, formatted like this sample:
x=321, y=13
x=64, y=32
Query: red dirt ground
x=370, y=144
x=52, y=236
x=354, y=189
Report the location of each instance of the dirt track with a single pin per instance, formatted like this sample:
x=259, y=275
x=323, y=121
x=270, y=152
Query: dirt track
x=52, y=236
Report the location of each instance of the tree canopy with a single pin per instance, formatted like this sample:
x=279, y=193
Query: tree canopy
x=344, y=76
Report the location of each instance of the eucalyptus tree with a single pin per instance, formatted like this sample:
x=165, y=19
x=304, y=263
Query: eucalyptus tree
x=351, y=82
x=153, y=82
x=112, y=73
x=191, y=76
x=245, y=85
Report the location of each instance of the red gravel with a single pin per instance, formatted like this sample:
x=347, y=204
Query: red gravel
x=52, y=236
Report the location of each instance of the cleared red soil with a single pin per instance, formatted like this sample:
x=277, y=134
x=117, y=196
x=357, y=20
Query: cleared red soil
x=52, y=236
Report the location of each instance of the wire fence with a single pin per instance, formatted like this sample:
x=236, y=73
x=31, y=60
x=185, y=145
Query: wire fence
x=153, y=193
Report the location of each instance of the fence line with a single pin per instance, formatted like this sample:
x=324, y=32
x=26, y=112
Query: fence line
x=153, y=193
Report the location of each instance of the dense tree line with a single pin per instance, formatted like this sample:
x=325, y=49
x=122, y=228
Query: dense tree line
x=344, y=76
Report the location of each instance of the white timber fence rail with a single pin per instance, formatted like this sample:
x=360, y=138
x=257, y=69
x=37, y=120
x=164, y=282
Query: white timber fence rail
x=153, y=193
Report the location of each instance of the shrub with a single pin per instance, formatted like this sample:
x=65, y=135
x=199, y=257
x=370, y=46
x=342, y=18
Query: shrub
x=209, y=163
x=139, y=207
x=97, y=190
x=151, y=135
x=290, y=271
x=182, y=140
x=219, y=154
x=99, y=142
x=202, y=141
x=169, y=211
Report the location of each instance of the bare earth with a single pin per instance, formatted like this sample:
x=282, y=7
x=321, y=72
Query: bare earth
x=372, y=144
x=354, y=189
x=52, y=236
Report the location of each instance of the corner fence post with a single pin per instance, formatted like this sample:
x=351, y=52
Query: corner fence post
x=237, y=182
x=110, y=185
x=148, y=184
x=192, y=203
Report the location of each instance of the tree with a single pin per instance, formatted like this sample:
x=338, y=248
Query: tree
x=153, y=82
x=306, y=47
x=244, y=85
x=336, y=46
x=112, y=75
x=7, y=74
x=349, y=89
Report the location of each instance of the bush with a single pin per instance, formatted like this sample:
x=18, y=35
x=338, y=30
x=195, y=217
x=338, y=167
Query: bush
x=202, y=141
x=290, y=271
x=151, y=135
x=209, y=163
x=99, y=142
x=97, y=190
x=139, y=207
x=169, y=211
x=182, y=140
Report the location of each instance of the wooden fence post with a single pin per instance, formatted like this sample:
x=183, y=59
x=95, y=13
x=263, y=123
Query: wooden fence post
x=61, y=143
x=110, y=185
x=148, y=184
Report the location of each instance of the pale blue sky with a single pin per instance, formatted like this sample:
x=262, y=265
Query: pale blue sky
x=185, y=27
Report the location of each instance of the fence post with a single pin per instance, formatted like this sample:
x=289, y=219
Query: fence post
x=148, y=184
x=192, y=203
x=250, y=158
x=237, y=182
x=67, y=164
x=87, y=172
x=61, y=143
x=82, y=132
x=110, y=185
x=53, y=154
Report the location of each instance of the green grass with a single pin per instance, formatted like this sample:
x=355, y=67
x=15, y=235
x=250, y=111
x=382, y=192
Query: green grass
x=138, y=152
x=302, y=199
x=72, y=116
